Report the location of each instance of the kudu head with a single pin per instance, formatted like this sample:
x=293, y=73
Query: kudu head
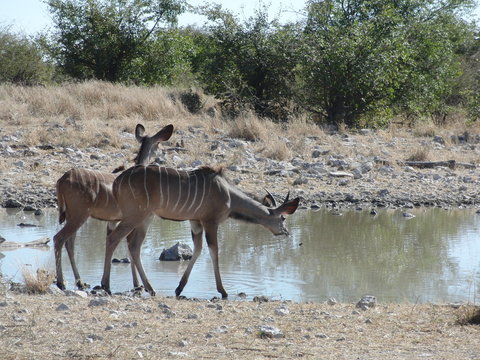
x=276, y=221
x=148, y=144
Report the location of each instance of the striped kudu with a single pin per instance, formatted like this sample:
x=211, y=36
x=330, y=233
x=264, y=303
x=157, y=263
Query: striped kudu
x=84, y=193
x=202, y=196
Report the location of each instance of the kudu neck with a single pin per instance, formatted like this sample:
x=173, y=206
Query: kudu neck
x=242, y=206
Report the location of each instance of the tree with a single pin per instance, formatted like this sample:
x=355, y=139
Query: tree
x=100, y=38
x=165, y=59
x=249, y=65
x=21, y=60
x=361, y=56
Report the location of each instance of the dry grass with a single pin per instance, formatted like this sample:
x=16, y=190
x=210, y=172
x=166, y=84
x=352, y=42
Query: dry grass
x=419, y=154
x=37, y=283
x=98, y=114
x=468, y=315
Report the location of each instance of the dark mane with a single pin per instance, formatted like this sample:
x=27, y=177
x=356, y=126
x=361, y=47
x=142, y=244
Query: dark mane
x=208, y=170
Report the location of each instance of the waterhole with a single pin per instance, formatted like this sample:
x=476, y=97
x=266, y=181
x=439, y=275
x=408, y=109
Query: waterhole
x=432, y=257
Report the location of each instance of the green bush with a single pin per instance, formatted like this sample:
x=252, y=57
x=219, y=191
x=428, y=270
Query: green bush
x=21, y=60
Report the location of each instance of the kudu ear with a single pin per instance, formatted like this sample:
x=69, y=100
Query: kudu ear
x=139, y=132
x=164, y=134
x=269, y=200
x=287, y=208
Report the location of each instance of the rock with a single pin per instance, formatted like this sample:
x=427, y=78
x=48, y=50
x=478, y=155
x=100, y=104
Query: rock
x=367, y=302
x=332, y=301
x=261, y=299
x=267, y=331
x=340, y=174
x=383, y=192
x=197, y=163
x=12, y=203
x=300, y=181
x=76, y=293
x=98, y=302
x=408, y=215
x=438, y=139
x=282, y=311
x=177, y=252
x=62, y=307
x=92, y=337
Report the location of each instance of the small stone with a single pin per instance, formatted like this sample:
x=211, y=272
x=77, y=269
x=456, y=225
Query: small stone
x=197, y=163
x=93, y=337
x=282, y=311
x=266, y=331
x=260, y=299
x=130, y=325
x=109, y=327
x=62, y=307
x=367, y=302
x=183, y=343
x=98, y=302
x=332, y=301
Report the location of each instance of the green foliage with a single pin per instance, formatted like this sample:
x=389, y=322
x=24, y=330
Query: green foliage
x=361, y=56
x=165, y=59
x=21, y=60
x=250, y=65
x=101, y=38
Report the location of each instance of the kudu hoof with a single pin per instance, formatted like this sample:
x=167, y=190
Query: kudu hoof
x=82, y=285
x=61, y=286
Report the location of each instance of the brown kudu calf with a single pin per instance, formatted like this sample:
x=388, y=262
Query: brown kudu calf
x=202, y=196
x=84, y=193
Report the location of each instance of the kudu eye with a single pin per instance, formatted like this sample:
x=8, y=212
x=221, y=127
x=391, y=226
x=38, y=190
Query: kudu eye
x=282, y=217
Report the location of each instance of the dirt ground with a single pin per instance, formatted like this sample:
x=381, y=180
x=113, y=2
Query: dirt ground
x=121, y=327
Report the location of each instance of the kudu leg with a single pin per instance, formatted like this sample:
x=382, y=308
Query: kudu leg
x=136, y=284
x=113, y=239
x=211, y=235
x=197, y=234
x=70, y=246
x=135, y=240
x=65, y=234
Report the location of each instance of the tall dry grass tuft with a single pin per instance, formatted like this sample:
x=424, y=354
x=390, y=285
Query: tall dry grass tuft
x=37, y=283
x=419, y=154
x=248, y=127
x=468, y=315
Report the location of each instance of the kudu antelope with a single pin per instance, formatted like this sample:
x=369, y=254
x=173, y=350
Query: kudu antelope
x=84, y=193
x=202, y=196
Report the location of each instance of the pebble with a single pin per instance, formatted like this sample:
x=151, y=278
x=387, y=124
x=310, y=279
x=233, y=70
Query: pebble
x=267, y=331
x=62, y=307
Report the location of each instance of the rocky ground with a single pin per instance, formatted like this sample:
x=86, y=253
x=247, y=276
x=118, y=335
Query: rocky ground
x=74, y=325
x=362, y=169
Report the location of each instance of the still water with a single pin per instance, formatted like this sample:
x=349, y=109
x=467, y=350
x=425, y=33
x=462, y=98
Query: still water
x=432, y=257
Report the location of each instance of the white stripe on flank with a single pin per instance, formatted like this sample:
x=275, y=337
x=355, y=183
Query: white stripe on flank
x=203, y=195
x=82, y=180
x=160, y=189
x=130, y=185
x=188, y=194
x=107, y=192
x=145, y=186
x=167, y=189
x=195, y=196
x=179, y=194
